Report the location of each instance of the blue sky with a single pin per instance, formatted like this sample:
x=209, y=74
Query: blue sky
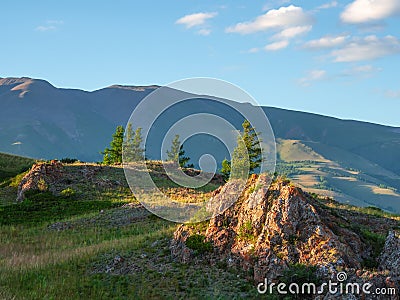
x=338, y=58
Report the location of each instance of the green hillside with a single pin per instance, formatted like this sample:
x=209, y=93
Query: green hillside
x=12, y=165
x=97, y=242
x=340, y=174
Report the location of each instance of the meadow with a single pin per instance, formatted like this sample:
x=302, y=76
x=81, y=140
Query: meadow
x=98, y=244
x=96, y=241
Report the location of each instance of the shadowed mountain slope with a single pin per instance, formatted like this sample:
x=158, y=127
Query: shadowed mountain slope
x=352, y=161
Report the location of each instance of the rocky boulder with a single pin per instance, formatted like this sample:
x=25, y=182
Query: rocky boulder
x=42, y=177
x=269, y=229
x=55, y=177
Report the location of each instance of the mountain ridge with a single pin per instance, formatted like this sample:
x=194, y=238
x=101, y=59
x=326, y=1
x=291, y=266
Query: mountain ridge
x=360, y=158
x=13, y=80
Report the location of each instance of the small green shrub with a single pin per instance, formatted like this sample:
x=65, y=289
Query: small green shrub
x=68, y=160
x=280, y=255
x=374, y=208
x=246, y=231
x=377, y=242
x=255, y=188
x=42, y=185
x=293, y=239
x=300, y=274
x=197, y=243
x=67, y=193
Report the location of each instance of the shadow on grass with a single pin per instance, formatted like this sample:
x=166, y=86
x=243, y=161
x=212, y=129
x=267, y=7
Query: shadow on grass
x=43, y=207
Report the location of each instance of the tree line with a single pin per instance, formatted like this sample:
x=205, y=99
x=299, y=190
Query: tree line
x=130, y=142
x=246, y=157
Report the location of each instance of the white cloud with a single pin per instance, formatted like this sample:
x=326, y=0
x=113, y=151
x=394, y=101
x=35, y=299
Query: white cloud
x=204, y=31
x=392, y=94
x=367, y=48
x=284, y=17
x=362, y=71
x=311, y=76
x=49, y=25
x=44, y=28
x=361, y=11
x=328, y=5
x=292, y=32
x=326, y=42
x=276, y=46
x=195, y=19
x=253, y=50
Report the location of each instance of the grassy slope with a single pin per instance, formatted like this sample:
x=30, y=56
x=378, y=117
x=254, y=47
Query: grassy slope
x=67, y=250
x=344, y=176
x=11, y=165
x=12, y=169
x=42, y=262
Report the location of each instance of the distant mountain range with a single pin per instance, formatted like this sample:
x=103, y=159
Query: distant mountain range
x=353, y=161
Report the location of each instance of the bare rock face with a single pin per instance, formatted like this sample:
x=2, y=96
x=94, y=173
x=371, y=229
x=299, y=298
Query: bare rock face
x=280, y=226
x=270, y=229
x=178, y=247
x=390, y=256
x=266, y=230
x=41, y=177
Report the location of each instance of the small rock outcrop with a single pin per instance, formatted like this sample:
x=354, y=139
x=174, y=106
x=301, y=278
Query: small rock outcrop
x=54, y=177
x=41, y=177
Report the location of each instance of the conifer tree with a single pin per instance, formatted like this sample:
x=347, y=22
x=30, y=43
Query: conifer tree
x=176, y=153
x=251, y=160
x=137, y=150
x=226, y=169
x=183, y=160
x=173, y=153
x=252, y=142
x=113, y=155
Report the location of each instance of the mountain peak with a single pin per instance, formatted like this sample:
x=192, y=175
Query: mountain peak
x=15, y=80
x=137, y=88
x=23, y=84
x=22, y=80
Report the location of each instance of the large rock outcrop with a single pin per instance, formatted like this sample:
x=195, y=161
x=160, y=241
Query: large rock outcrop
x=270, y=229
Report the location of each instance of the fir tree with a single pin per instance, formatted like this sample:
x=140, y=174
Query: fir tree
x=113, y=155
x=138, y=151
x=252, y=142
x=133, y=150
x=244, y=161
x=183, y=160
x=173, y=153
x=176, y=153
x=226, y=169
